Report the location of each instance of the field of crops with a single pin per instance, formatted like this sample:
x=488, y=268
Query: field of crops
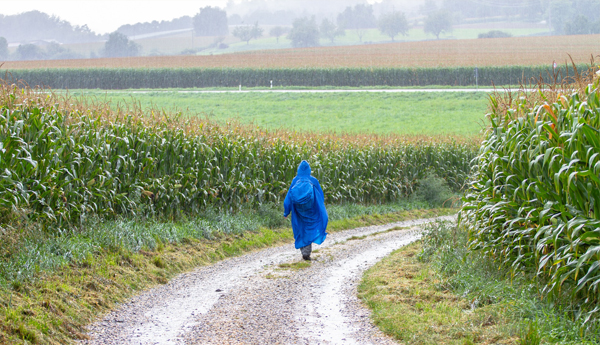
x=533, y=203
x=414, y=113
x=63, y=161
x=522, y=51
x=136, y=78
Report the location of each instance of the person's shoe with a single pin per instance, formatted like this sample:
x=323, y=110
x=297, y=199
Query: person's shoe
x=306, y=257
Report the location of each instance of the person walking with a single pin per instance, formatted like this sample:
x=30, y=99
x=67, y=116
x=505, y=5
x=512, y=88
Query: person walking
x=306, y=202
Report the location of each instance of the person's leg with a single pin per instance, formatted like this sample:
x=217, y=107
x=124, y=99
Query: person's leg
x=306, y=252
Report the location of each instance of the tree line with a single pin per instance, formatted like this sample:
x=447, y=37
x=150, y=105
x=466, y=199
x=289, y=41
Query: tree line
x=306, y=32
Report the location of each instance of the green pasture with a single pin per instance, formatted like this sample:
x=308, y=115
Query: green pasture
x=369, y=36
x=419, y=113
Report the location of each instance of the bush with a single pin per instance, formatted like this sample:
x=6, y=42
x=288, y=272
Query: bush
x=495, y=34
x=435, y=191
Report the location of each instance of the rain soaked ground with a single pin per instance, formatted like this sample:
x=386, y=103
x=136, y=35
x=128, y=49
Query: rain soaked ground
x=267, y=297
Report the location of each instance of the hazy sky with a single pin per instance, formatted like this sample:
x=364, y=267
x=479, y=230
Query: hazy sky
x=103, y=16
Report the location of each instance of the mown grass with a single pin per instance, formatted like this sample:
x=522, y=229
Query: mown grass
x=80, y=276
x=420, y=113
x=438, y=291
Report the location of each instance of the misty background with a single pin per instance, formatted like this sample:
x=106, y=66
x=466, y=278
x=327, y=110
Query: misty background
x=271, y=24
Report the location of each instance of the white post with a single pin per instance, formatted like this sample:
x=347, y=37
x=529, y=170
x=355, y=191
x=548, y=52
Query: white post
x=240, y=87
x=271, y=84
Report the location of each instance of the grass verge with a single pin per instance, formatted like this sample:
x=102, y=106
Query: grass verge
x=437, y=291
x=53, y=306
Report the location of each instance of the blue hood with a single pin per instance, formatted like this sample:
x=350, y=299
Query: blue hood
x=309, y=220
x=304, y=169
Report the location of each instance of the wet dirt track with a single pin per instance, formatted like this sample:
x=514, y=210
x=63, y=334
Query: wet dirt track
x=256, y=299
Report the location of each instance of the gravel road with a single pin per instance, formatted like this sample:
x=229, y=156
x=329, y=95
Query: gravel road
x=256, y=299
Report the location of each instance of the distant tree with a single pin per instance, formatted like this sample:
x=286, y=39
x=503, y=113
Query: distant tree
x=563, y=15
x=438, y=22
x=211, y=21
x=30, y=52
x=393, y=24
x=243, y=32
x=35, y=25
x=359, y=18
x=304, y=33
x=257, y=31
x=248, y=32
x=580, y=25
x=494, y=34
x=330, y=31
x=595, y=27
x=278, y=31
x=3, y=48
x=118, y=45
x=55, y=51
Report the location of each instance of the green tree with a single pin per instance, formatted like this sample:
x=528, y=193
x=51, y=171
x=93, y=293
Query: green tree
x=248, y=32
x=304, y=33
x=277, y=31
x=438, y=22
x=30, y=52
x=359, y=18
x=581, y=25
x=562, y=15
x=330, y=31
x=3, y=48
x=393, y=24
x=118, y=45
x=54, y=49
x=211, y=21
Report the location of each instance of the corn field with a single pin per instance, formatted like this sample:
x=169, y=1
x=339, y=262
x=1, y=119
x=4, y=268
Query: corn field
x=534, y=201
x=132, y=78
x=62, y=162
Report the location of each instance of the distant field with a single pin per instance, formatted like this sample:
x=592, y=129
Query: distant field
x=421, y=113
x=443, y=53
x=177, y=42
x=351, y=38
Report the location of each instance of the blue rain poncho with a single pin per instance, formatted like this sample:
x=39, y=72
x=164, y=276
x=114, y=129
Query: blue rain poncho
x=306, y=202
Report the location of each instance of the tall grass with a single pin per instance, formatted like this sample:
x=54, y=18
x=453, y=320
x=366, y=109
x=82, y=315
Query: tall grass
x=517, y=298
x=534, y=202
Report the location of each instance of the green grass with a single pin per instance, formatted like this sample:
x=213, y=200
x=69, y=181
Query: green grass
x=296, y=265
x=421, y=113
x=439, y=291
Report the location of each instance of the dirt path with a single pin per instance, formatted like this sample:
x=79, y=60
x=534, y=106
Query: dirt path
x=257, y=299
